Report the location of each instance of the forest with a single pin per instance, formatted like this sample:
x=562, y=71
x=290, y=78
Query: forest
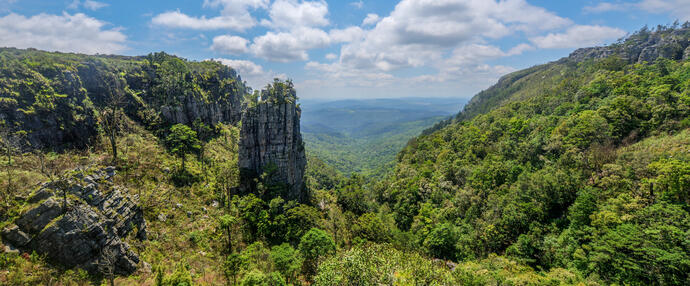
x=574, y=172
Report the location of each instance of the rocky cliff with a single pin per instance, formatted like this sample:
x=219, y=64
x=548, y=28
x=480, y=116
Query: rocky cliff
x=271, y=144
x=54, y=97
x=644, y=46
x=88, y=233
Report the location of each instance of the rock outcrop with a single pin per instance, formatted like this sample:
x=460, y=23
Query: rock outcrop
x=643, y=46
x=88, y=233
x=55, y=99
x=271, y=143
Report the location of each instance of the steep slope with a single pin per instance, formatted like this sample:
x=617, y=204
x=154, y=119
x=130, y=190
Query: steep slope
x=581, y=163
x=55, y=97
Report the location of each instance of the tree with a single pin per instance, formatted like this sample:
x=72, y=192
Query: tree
x=11, y=143
x=314, y=245
x=111, y=116
x=226, y=223
x=107, y=264
x=286, y=260
x=182, y=140
x=233, y=265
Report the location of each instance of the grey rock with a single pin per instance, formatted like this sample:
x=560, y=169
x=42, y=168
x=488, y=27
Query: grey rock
x=270, y=136
x=686, y=53
x=40, y=195
x=77, y=236
x=162, y=217
x=34, y=220
x=15, y=236
x=10, y=249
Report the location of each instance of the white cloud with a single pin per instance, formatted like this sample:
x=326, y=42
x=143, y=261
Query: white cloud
x=346, y=35
x=227, y=44
x=290, y=14
x=243, y=67
x=176, y=19
x=234, y=15
x=88, y=4
x=421, y=31
x=66, y=33
x=371, y=19
x=578, y=36
x=251, y=72
x=331, y=56
x=289, y=46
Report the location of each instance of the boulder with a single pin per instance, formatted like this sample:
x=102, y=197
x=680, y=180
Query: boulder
x=89, y=231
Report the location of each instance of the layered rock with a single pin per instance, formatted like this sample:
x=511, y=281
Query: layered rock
x=88, y=233
x=271, y=143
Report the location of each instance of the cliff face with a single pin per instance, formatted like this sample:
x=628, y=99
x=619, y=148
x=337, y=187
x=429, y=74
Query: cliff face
x=55, y=96
x=271, y=143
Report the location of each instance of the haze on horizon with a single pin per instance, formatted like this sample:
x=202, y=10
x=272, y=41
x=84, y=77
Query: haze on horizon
x=340, y=49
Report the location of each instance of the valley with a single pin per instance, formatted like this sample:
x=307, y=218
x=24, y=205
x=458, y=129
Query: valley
x=162, y=170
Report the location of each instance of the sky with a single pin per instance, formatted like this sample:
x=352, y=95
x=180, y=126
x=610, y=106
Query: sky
x=340, y=49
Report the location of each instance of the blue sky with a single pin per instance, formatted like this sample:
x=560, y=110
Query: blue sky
x=340, y=49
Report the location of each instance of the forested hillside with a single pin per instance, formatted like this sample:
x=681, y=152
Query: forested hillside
x=580, y=164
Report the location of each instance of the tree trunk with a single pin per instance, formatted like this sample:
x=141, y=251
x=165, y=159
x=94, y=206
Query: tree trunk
x=113, y=144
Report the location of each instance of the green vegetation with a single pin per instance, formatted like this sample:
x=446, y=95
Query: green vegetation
x=363, y=136
x=574, y=165
x=569, y=173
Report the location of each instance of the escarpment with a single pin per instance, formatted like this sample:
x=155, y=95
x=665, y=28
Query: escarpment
x=271, y=151
x=81, y=221
x=55, y=97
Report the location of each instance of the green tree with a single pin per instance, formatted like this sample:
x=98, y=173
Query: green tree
x=371, y=227
x=182, y=140
x=234, y=264
x=313, y=246
x=286, y=260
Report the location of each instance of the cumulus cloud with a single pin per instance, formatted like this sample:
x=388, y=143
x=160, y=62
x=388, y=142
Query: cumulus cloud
x=422, y=31
x=227, y=44
x=289, y=46
x=371, y=19
x=234, y=15
x=578, y=36
x=66, y=33
x=331, y=56
x=288, y=14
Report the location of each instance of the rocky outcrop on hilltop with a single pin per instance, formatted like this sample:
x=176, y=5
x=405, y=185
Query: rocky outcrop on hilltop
x=271, y=143
x=644, y=46
x=54, y=97
x=81, y=222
